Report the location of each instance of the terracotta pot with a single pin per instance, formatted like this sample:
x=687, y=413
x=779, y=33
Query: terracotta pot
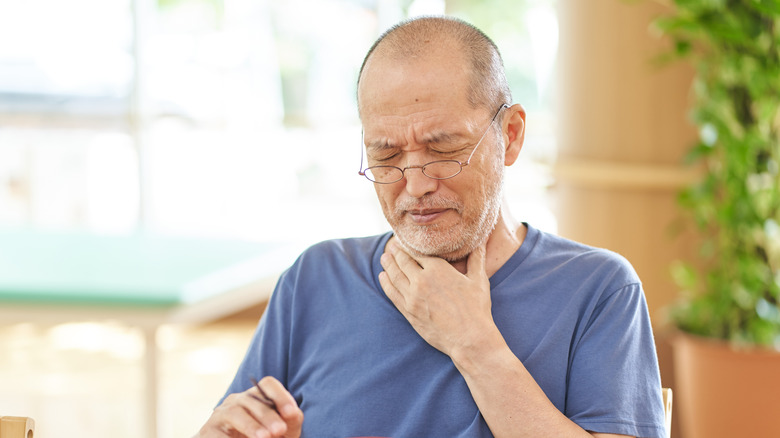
x=726, y=392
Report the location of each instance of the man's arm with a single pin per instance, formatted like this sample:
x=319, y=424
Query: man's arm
x=509, y=398
x=452, y=312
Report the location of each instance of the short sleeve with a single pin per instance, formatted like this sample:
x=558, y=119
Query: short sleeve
x=267, y=354
x=614, y=382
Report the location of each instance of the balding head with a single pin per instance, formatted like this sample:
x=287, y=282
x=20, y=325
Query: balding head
x=471, y=48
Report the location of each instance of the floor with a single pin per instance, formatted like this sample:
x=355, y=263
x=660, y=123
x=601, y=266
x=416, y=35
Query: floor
x=85, y=380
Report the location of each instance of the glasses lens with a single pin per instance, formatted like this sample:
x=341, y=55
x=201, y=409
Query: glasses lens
x=384, y=174
x=442, y=169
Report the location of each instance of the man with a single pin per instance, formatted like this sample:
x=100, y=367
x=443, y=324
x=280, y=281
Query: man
x=461, y=322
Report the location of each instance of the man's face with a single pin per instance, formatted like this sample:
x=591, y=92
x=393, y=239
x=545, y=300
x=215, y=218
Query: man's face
x=415, y=112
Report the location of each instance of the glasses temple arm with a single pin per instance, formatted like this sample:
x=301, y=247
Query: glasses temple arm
x=360, y=171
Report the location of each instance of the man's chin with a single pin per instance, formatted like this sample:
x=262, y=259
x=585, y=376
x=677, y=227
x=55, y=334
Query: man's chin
x=446, y=252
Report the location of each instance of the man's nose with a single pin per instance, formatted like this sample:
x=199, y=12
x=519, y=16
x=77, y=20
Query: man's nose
x=417, y=184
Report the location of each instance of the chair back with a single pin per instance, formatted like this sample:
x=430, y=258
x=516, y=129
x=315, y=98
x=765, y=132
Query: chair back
x=667, y=394
x=17, y=427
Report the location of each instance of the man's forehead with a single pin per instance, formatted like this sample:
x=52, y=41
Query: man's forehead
x=408, y=101
x=433, y=66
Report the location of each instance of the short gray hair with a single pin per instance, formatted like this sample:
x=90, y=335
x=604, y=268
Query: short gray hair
x=488, y=86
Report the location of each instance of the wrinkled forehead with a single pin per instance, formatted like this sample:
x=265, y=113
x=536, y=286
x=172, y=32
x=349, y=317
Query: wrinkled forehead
x=390, y=79
x=413, y=105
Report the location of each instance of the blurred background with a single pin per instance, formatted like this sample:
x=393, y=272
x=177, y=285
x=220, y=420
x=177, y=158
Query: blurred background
x=236, y=119
x=216, y=117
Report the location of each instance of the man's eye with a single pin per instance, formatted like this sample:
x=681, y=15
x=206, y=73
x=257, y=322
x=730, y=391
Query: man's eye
x=383, y=158
x=449, y=151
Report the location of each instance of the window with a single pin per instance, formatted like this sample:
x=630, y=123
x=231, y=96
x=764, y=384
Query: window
x=231, y=118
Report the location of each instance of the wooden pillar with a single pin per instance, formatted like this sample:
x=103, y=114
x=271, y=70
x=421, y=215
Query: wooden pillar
x=151, y=381
x=623, y=130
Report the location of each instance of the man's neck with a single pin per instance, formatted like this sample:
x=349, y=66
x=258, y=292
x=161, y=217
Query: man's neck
x=503, y=242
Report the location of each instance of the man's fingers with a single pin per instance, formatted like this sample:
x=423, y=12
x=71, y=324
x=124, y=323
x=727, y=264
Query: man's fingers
x=247, y=414
x=391, y=291
x=264, y=417
x=407, y=263
x=395, y=274
x=238, y=414
x=285, y=403
x=283, y=418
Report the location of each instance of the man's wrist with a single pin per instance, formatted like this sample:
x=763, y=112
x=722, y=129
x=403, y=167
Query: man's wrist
x=472, y=357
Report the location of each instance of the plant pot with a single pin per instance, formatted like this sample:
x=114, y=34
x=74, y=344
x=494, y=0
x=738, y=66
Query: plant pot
x=723, y=391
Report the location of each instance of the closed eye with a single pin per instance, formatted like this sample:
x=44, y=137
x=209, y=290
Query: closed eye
x=383, y=155
x=450, y=152
x=381, y=150
x=383, y=159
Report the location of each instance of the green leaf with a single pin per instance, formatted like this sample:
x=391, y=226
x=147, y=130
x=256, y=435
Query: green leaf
x=735, y=47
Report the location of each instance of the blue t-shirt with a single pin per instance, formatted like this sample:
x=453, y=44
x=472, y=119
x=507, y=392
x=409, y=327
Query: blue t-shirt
x=574, y=315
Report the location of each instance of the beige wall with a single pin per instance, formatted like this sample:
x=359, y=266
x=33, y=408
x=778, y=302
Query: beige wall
x=623, y=132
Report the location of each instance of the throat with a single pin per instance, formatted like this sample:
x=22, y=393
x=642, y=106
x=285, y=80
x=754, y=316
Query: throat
x=460, y=264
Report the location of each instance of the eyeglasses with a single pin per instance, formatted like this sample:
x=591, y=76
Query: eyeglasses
x=440, y=169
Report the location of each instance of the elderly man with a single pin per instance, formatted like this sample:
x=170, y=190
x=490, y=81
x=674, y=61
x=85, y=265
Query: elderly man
x=461, y=322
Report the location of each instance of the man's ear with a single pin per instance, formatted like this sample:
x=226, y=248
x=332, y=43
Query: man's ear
x=514, y=133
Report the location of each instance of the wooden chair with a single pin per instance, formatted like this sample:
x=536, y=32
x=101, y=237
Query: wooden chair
x=17, y=427
x=667, y=394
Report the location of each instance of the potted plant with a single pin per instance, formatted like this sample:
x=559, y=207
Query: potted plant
x=729, y=308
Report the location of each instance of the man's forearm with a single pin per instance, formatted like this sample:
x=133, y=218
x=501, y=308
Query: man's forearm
x=508, y=397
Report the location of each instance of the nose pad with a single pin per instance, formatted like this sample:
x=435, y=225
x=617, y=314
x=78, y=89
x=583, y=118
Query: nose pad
x=417, y=184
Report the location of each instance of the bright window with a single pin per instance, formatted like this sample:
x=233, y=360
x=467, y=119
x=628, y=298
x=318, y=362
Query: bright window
x=227, y=118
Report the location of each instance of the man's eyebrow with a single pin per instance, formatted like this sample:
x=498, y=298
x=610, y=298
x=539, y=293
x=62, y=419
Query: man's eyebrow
x=379, y=145
x=440, y=137
x=443, y=137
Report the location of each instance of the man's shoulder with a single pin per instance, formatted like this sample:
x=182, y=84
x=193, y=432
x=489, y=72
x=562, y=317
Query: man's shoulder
x=334, y=261
x=554, y=250
x=362, y=246
x=336, y=254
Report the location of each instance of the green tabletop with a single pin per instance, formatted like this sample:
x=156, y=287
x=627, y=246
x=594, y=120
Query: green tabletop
x=135, y=269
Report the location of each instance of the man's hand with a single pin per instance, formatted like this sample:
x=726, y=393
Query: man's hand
x=243, y=415
x=450, y=310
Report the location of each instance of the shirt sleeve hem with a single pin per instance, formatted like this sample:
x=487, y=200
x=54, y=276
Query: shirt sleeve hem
x=640, y=431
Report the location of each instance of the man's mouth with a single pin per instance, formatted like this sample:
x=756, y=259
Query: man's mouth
x=426, y=216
